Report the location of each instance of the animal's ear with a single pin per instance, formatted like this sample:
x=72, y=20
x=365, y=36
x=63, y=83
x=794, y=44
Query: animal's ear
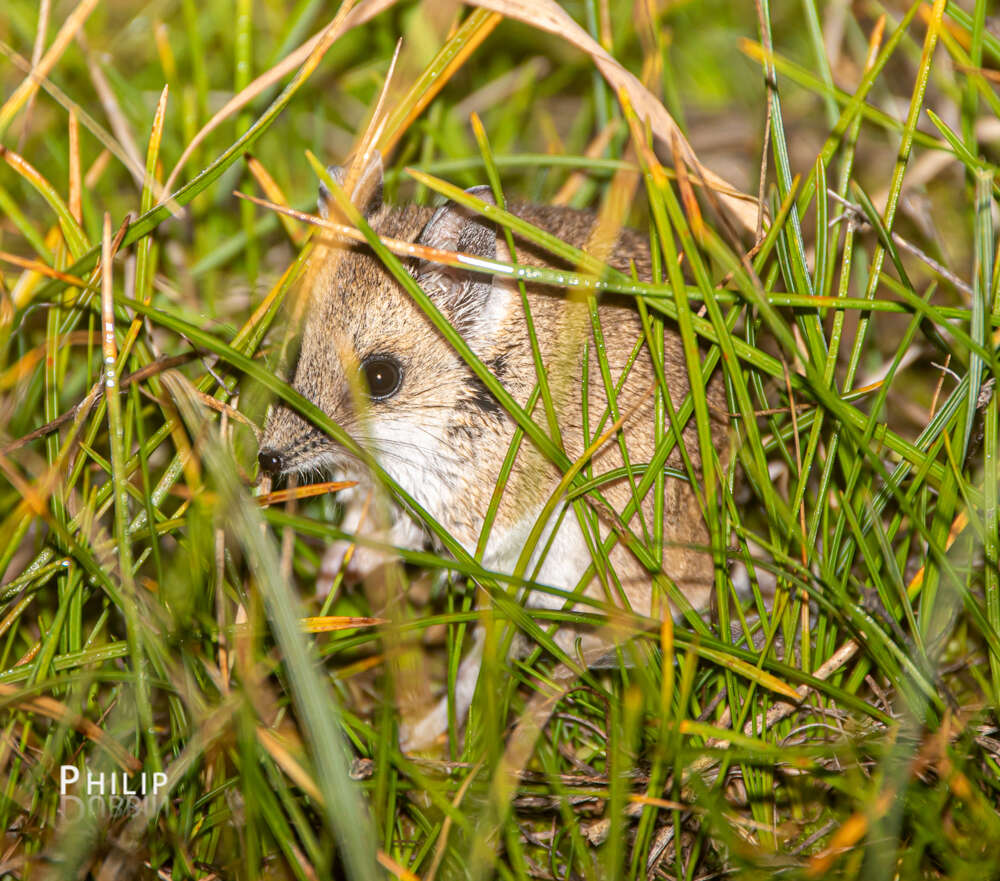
x=462, y=295
x=367, y=190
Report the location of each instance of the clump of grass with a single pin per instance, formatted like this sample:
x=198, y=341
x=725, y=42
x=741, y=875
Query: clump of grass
x=836, y=717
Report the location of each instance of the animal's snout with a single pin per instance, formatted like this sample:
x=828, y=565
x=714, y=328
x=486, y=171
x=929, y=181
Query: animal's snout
x=270, y=461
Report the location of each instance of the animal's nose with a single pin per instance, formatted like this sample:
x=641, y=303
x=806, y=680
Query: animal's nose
x=270, y=461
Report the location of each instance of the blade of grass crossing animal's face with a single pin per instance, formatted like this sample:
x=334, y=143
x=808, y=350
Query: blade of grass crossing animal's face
x=584, y=517
x=540, y=370
x=534, y=432
x=314, y=414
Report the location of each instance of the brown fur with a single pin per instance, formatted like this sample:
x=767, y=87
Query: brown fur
x=451, y=435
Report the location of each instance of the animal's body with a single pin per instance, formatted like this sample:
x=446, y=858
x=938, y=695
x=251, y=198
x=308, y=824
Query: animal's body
x=436, y=429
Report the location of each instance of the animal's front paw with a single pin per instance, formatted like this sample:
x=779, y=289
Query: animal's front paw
x=424, y=731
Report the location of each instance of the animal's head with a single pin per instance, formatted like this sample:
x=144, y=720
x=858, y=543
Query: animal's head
x=372, y=360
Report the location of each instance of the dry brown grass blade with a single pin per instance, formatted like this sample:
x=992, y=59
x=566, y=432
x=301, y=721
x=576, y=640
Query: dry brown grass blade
x=416, y=101
x=273, y=192
x=373, y=131
x=227, y=410
x=397, y=246
x=690, y=203
x=75, y=200
x=109, y=345
x=546, y=15
x=391, y=866
x=42, y=269
x=326, y=624
x=331, y=623
x=23, y=289
x=992, y=75
x=274, y=746
x=97, y=168
x=304, y=492
x=268, y=498
x=394, y=868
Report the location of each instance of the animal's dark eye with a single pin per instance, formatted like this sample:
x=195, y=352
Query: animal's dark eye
x=383, y=376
